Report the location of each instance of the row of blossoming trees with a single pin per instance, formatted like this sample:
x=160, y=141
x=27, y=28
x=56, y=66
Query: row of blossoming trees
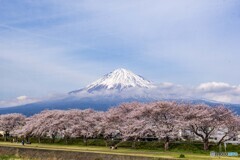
x=131, y=121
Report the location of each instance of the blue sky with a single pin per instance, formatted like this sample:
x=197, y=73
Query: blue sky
x=55, y=46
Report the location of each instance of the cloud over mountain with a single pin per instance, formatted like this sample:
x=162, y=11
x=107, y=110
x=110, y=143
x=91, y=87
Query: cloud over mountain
x=21, y=100
x=219, y=91
x=215, y=87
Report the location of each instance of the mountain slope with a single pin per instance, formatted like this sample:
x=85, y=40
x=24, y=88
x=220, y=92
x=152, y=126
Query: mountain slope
x=101, y=103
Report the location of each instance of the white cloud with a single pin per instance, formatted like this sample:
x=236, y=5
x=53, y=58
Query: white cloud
x=219, y=91
x=220, y=98
x=215, y=87
x=21, y=100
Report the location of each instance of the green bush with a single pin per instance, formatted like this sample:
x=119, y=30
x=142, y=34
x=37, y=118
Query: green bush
x=182, y=156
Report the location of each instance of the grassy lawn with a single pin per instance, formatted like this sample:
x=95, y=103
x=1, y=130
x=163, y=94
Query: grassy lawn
x=7, y=157
x=119, y=151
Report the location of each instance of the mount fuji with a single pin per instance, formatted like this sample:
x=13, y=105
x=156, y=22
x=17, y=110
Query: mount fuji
x=118, y=80
x=112, y=89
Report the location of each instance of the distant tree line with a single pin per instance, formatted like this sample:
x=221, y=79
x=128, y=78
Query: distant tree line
x=165, y=121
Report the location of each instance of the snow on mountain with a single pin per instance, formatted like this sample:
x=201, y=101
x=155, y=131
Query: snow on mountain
x=119, y=80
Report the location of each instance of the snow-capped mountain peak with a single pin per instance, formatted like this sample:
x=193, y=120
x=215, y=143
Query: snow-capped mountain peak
x=119, y=79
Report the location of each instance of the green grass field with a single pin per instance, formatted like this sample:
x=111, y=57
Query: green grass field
x=119, y=151
x=8, y=157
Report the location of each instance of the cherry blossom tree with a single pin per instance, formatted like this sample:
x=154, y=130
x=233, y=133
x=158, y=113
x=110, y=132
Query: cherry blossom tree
x=119, y=121
x=136, y=120
x=205, y=121
x=42, y=124
x=230, y=124
x=133, y=127
x=163, y=119
x=66, y=124
x=9, y=123
x=86, y=123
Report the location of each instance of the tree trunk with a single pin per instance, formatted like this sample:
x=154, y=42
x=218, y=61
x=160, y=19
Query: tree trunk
x=5, y=137
x=53, y=138
x=221, y=140
x=106, y=142
x=206, y=145
x=134, y=144
x=166, y=144
x=85, y=140
x=39, y=139
x=66, y=140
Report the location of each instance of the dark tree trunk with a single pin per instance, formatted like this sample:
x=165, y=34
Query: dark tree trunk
x=85, y=141
x=222, y=139
x=53, y=138
x=206, y=144
x=166, y=144
x=27, y=138
x=6, y=136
